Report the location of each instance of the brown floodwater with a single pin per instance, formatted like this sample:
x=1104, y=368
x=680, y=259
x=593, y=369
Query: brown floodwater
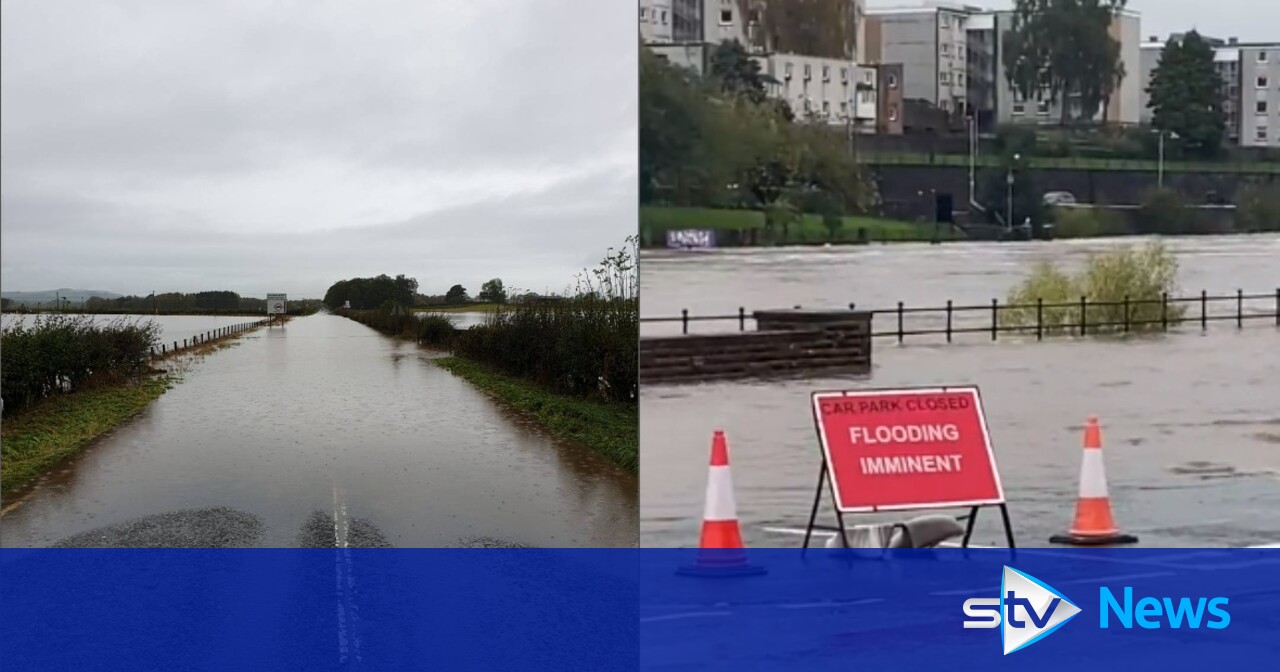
x=326, y=419
x=1191, y=420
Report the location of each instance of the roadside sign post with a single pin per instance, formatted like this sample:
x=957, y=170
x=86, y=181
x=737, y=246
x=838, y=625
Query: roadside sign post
x=905, y=449
x=277, y=306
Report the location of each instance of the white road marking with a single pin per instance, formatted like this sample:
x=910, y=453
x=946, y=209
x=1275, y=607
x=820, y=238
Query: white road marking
x=345, y=579
x=692, y=614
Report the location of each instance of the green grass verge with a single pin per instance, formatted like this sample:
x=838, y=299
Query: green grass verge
x=467, y=308
x=612, y=430
x=654, y=220
x=34, y=440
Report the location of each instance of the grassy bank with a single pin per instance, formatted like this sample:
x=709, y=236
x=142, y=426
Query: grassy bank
x=608, y=429
x=40, y=436
x=656, y=220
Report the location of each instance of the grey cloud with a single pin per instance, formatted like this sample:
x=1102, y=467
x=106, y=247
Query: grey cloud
x=156, y=145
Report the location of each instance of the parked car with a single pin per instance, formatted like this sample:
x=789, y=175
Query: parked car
x=1059, y=198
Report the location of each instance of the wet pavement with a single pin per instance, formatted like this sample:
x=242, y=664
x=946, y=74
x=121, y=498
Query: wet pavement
x=294, y=435
x=1191, y=421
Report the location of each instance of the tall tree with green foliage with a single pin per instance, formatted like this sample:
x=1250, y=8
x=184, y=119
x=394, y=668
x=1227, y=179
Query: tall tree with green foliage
x=493, y=291
x=1062, y=50
x=736, y=73
x=1186, y=96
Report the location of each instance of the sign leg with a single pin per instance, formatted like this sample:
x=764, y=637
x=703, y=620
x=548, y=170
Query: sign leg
x=968, y=529
x=817, y=501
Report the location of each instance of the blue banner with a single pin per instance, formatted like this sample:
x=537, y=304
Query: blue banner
x=317, y=609
x=1062, y=609
x=624, y=609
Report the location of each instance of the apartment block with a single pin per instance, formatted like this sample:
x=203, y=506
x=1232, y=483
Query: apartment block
x=656, y=21
x=1250, y=90
x=1260, y=95
x=930, y=43
x=995, y=102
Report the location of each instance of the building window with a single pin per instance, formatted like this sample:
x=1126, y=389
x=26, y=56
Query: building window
x=945, y=78
x=945, y=19
x=1262, y=107
x=786, y=68
x=1262, y=82
x=664, y=17
x=1262, y=133
x=1043, y=108
x=946, y=48
x=1019, y=109
x=726, y=17
x=1262, y=57
x=893, y=81
x=807, y=72
x=826, y=73
x=844, y=107
x=642, y=13
x=893, y=113
x=959, y=79
x=826, y=109
x=844, y=75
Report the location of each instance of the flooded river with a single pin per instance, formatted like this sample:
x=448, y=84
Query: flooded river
x=326, y=432
x=1191, y=421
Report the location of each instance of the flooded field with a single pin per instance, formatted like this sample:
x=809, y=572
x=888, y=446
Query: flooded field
x=463, y=320
x=326, y=432
x=1191, y=421
x=172, y=327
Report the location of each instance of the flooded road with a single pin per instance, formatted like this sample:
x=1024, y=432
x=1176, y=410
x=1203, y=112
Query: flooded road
x=1191, y=421
x=327, y=429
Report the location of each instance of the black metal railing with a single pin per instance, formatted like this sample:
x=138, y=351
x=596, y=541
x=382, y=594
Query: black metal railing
x=1043, y=319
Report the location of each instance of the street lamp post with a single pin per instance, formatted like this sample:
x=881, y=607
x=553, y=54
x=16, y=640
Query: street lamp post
x=1160, y=162
x=1008, y=217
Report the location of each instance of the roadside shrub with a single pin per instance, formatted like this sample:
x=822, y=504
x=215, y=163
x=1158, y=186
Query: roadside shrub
x=1258, y=209
x=584, y=345
x=1164, y=212
x=436, y=329
x=54, y=354
x=1088, y=223
x=1143, y=275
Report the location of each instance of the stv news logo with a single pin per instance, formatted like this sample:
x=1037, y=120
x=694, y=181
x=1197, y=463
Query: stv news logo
x=1028, y=609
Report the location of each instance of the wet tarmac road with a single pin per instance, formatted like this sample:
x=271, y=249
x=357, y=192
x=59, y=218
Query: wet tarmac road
x=325, y=425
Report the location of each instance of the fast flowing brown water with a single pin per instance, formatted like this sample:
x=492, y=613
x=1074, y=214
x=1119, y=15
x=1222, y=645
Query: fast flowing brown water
x=1191, y=420
x=323, y=422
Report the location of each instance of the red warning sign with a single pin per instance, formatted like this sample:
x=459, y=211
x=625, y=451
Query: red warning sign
x=907, y=449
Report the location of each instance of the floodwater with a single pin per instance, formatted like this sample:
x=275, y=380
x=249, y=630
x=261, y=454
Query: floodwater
x=172, y=327
x=462, y=320
x=327, y=432
x=1191, y=420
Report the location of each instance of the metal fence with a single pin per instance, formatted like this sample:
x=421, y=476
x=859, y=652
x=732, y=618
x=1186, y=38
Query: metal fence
x=1046, y=319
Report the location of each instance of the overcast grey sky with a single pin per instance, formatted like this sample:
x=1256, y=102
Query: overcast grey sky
x=280, y=146
x=1250, y=20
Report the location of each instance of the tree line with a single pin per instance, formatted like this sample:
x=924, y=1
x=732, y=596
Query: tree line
x=385, y=291
x=197, y=303
x=717, y=140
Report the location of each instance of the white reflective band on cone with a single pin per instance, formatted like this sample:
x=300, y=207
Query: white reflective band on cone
x=1093, y=477
x=720, y=505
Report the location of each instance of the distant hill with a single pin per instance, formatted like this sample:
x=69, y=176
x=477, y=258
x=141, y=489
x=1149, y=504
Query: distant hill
x=49, y=296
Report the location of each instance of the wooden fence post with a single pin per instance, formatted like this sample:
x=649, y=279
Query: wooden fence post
x=1126, y=313
x=1084, y=323
x=1204, y=309
x=1164, y=311
x=1239, y=309
x=684, y=320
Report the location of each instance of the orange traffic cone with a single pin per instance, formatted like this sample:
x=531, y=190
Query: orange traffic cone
x=720, y=550
x=1094, y=525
